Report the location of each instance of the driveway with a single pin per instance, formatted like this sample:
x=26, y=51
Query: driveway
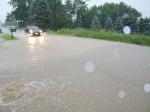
x=55, y=73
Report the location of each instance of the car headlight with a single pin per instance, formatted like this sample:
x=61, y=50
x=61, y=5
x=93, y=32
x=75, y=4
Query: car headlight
x=30, y=31
x=40, y=31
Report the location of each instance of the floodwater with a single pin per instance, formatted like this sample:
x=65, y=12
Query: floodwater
x=66, y=74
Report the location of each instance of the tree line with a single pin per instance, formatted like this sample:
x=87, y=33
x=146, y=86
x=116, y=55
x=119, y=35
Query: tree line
x=56, y=14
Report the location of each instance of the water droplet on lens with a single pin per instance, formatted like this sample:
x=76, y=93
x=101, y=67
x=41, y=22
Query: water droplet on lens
x=127, y=30
x=122, y=94
x=147, y=88
x=125, y=15
x=89, y=67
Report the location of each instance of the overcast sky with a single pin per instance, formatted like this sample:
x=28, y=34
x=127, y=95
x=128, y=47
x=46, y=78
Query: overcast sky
x=141, y=5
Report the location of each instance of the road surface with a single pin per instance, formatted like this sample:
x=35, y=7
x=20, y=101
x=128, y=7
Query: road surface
x=55, y=73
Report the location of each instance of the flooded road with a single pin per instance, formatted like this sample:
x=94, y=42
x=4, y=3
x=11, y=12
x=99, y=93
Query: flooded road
x=66, y=74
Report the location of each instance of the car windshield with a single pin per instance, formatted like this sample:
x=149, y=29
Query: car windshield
x=74, y=55
x=34, y=28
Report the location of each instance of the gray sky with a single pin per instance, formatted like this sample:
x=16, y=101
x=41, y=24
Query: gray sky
x=4, y=9
x=140, y=5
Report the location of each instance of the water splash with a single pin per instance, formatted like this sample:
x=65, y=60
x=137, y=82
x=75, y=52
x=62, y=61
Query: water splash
x=47, y=91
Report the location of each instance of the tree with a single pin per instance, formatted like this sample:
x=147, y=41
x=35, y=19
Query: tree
x=69, y=8
x=132, y=22
x=109, y=24
x=79, y=10
x=10, y=20
x=144, y=25
x=114, y=11
x=119, y=25
x=20, y=11
x=59, y=14
x=62, y=17
x=95, y=22
x=39, y=14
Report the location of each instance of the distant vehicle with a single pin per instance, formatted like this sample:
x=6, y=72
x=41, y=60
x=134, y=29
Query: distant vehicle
x=0, y=29
x=33, y=30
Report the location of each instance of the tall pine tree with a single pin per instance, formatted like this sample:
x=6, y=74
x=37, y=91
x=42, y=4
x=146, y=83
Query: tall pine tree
x=109, y=24
x=119, y=25
x=95, y=22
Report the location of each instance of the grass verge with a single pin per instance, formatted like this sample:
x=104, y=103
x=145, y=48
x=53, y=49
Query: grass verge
x=7, y=37
x=112, y=36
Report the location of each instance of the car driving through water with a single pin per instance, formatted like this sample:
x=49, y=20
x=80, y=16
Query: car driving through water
x=33, y=31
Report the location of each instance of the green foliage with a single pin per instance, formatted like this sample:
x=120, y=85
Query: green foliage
x=56, y=14
x=39, y=13
x=109, y=24
x=79, y=10
x=144, y=26
x=69, y=8
x=114, y=11
x=132, y=22
x=95, y=22
x=10, y=20
x=7, y=37
x=112, y=36
x=20, y=11
x=119, y=25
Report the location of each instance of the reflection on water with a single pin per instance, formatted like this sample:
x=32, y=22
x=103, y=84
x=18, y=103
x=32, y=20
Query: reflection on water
x=32, y=40
x=41, y=40
x=32, y=48
x=36, y=40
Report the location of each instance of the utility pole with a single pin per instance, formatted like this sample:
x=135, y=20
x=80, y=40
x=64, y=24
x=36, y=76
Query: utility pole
x=11, y=31
x=12, y=36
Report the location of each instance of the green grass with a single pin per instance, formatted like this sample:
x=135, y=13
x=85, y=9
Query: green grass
x=7, y=37
x=112, y=36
